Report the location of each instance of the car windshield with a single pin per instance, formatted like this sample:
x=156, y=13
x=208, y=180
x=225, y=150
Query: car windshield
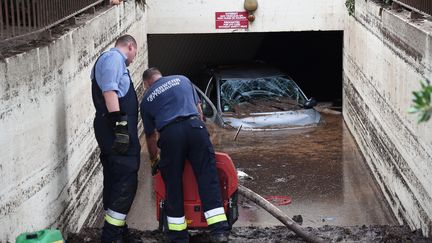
x=274, y=94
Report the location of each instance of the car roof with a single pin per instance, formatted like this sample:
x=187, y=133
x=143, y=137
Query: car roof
x=250, y=71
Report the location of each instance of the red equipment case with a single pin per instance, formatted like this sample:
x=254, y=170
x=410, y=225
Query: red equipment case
x=192, y=203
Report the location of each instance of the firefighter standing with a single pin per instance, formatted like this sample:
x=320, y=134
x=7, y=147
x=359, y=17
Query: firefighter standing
x=171, y=107
x=115, y=127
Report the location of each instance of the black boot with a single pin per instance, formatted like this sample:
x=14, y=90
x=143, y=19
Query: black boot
x=221, y=237
x=130, y=238
x=113, y=241
x=219, y=232
x=111, y=233
x=116, y=241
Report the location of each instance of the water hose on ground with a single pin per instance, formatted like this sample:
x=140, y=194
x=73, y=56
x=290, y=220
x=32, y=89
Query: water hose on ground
x=278, y=214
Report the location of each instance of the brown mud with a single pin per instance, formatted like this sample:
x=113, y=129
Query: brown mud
x=279, y=234
x=320, y=169
x=275, y=104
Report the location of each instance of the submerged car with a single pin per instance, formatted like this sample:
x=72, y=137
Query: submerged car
x=257, y=97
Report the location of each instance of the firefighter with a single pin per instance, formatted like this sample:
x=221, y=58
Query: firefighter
x=171, y=108
x=115, y=127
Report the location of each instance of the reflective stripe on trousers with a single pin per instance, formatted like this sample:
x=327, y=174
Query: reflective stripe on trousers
x=177, y=223
x=215, y=215
x=115, y=218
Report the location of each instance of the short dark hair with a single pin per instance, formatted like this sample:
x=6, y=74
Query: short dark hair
x=126, y=39
x=150, y=72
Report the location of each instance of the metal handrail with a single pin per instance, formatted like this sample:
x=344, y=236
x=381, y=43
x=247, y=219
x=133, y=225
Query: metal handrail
x=21, y=18
x=420, y=6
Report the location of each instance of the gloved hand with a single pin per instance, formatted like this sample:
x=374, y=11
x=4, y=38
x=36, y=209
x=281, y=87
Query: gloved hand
x=120, y=126
x=154, y=165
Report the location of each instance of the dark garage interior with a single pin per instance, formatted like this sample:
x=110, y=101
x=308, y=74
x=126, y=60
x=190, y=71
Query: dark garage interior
x=312, y=59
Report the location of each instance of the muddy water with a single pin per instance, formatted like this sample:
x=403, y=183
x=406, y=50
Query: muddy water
x=320, y=169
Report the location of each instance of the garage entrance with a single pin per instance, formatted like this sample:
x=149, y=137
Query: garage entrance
x=313, y=59
x=320, y=167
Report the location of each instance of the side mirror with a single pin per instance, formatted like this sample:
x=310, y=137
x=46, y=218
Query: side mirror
x=310, y=103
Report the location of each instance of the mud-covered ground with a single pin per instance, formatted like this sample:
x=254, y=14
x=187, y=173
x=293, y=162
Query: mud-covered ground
x=320, y=169
x=390, y=234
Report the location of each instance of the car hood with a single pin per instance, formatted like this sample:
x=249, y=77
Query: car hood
x=274, y=120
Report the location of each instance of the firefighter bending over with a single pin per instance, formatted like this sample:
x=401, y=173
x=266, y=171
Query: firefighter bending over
x=171, y=107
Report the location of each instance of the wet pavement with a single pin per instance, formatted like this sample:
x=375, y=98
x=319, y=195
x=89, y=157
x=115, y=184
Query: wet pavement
x=320, y=169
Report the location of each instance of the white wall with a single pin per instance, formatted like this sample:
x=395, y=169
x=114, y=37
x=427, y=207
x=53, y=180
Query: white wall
x=385, y=56
x=50, y=174
x=198, y=16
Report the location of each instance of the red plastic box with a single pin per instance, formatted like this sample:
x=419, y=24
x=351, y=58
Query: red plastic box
x=192, y=203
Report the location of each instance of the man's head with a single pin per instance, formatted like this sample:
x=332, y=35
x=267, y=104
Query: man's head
x=150, y=76
x=128, y=46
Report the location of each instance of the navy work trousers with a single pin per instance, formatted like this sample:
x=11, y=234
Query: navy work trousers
x=189, y=139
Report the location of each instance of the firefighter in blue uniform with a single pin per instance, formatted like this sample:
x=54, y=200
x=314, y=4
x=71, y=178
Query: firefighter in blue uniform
x=115, y=127
x=171, y=108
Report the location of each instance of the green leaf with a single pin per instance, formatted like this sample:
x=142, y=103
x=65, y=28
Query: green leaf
x=424, y=117
x=427, y=97
x=413, y=110
x=422, y=102
x=350, y=5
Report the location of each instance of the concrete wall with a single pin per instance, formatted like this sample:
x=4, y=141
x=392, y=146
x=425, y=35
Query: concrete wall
x=49, y=169
x=385, y=56
x=198, y=16
x=50, y=175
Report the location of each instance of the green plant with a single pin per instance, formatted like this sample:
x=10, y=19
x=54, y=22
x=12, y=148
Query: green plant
x=350, y=5
x=422, y=102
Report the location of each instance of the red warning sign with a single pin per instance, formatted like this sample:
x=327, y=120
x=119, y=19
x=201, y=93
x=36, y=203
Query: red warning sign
x=232, y=20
